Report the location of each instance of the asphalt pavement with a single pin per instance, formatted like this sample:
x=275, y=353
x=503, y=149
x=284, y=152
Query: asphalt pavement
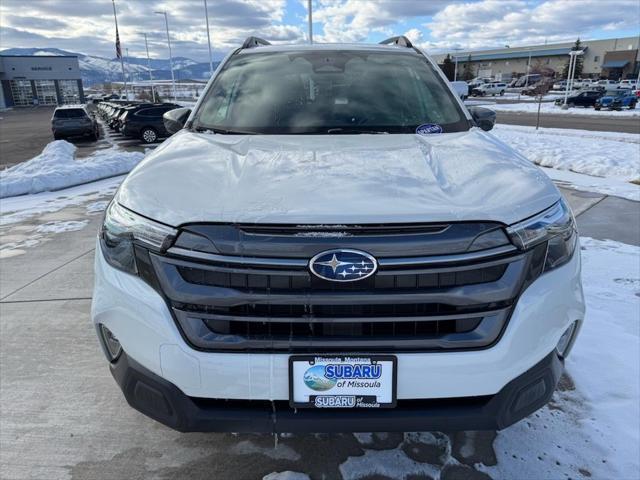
x=63, y=416
x=580, y=122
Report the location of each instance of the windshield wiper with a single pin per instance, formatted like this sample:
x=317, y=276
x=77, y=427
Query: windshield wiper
x=354, y=130
x=224, y=131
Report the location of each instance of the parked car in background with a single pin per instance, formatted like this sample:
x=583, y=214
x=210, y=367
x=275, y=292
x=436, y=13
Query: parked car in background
x=73, y=121
x=631, y=84
x=461, y=88
x=476, y=82
x=539, y=88
x=492, y=89
x=617, y=100
x=607, y=83
x=145, y=122
x=561, y=85
x=527, y=80
x=584, y=98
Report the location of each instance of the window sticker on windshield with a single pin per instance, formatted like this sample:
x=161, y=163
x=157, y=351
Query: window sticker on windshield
x=428, y=128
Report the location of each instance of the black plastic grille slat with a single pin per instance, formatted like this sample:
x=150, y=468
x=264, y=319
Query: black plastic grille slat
x=320, y=330
x=307, y=282
x=401, y=311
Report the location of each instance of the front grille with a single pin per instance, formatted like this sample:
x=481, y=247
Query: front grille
x=413, y=303
x=306, y=283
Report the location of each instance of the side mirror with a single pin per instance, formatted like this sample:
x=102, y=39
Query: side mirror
x=175, y=119
x=484, y=117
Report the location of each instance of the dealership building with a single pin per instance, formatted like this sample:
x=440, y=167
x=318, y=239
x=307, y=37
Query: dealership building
x=614, y=58
x=39, y=80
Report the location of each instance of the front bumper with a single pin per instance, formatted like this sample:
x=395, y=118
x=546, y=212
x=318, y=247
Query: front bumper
x=161, y=400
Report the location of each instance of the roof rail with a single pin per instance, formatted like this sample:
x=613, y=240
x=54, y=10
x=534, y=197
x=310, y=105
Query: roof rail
x=252, y=42
x=401, y=41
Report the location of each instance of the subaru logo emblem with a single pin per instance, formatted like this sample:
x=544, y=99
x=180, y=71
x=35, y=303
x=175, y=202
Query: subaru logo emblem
x=343, y=265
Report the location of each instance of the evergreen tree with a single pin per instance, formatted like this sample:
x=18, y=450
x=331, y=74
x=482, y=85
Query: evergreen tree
x=467, y=73
x=448, y=68
x=579, y=62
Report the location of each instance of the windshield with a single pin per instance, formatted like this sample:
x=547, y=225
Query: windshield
x=328, y=92
x=70, y=113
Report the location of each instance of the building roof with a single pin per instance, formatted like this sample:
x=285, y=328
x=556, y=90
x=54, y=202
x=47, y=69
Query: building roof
x=615, y=64
x=38, y=56
x=522, y=53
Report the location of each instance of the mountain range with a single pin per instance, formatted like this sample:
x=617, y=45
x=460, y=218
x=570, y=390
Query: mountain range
x=95, y=70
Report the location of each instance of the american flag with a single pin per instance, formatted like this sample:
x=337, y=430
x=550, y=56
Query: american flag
x=118, y=49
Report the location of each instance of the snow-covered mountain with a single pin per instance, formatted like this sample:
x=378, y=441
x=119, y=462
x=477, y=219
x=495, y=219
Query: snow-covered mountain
x=96, y=69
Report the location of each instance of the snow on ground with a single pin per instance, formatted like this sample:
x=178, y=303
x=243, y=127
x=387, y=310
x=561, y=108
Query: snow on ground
x=600, y=154
x=287, y=475
x=18, y=209
x=56, y=168
x=587, y=183
x=62, y=226
x=591, y=429
x=532, y=107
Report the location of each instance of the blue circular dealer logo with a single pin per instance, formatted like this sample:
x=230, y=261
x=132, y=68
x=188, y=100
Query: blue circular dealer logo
x=343, y=265
x=428, y=129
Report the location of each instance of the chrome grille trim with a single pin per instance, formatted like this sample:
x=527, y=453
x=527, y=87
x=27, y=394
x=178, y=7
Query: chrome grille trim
x=383, y=262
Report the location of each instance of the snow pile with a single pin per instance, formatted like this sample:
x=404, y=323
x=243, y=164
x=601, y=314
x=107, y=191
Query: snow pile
x=56, y=168
x=592, y=427
x=601, y=154
x=552, y=108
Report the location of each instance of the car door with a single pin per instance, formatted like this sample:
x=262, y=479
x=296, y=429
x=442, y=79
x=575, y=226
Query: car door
x=581, y=99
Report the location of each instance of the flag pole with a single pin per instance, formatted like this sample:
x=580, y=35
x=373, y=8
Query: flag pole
x=119, y=50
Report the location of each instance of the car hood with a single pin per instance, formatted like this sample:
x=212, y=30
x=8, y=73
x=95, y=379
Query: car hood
x=338, y=179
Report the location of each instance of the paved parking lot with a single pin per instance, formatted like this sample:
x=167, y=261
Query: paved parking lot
x=64, y=417
x=24, y=132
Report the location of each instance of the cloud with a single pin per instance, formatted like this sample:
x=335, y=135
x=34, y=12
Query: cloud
x=354, y=20
x=87, y=26
x=491, y=23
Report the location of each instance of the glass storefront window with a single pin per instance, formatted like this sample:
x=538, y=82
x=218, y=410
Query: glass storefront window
x=46, y=91
x=70, y=92
x=22, y=93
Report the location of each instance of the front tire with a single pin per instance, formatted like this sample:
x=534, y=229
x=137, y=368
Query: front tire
x=149, y=135
x=501, y=92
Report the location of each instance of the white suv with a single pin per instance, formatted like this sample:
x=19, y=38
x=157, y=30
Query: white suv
x=332, y=244
x=493, y=89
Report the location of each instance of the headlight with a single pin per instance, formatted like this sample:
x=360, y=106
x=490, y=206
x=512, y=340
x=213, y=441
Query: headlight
x=556, y=226
x=122, y=228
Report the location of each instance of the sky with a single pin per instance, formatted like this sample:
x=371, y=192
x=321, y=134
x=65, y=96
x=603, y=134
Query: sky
x=86, y=26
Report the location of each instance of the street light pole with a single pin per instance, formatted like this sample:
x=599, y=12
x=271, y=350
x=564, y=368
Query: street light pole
x=526, y=80
x=146, y=44
x=455, y=70
x=571, y=73
x=206, y=15
x=173, y=78
x=129, y=72
x=310, y=19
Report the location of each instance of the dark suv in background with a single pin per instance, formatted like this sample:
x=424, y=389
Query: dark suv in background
x=145, y=121
x=73, y=120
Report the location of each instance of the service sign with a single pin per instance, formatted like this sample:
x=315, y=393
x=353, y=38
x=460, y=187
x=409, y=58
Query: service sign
x=342, y=381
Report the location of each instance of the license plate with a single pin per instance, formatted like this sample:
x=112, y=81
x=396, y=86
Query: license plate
x=342, y=381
